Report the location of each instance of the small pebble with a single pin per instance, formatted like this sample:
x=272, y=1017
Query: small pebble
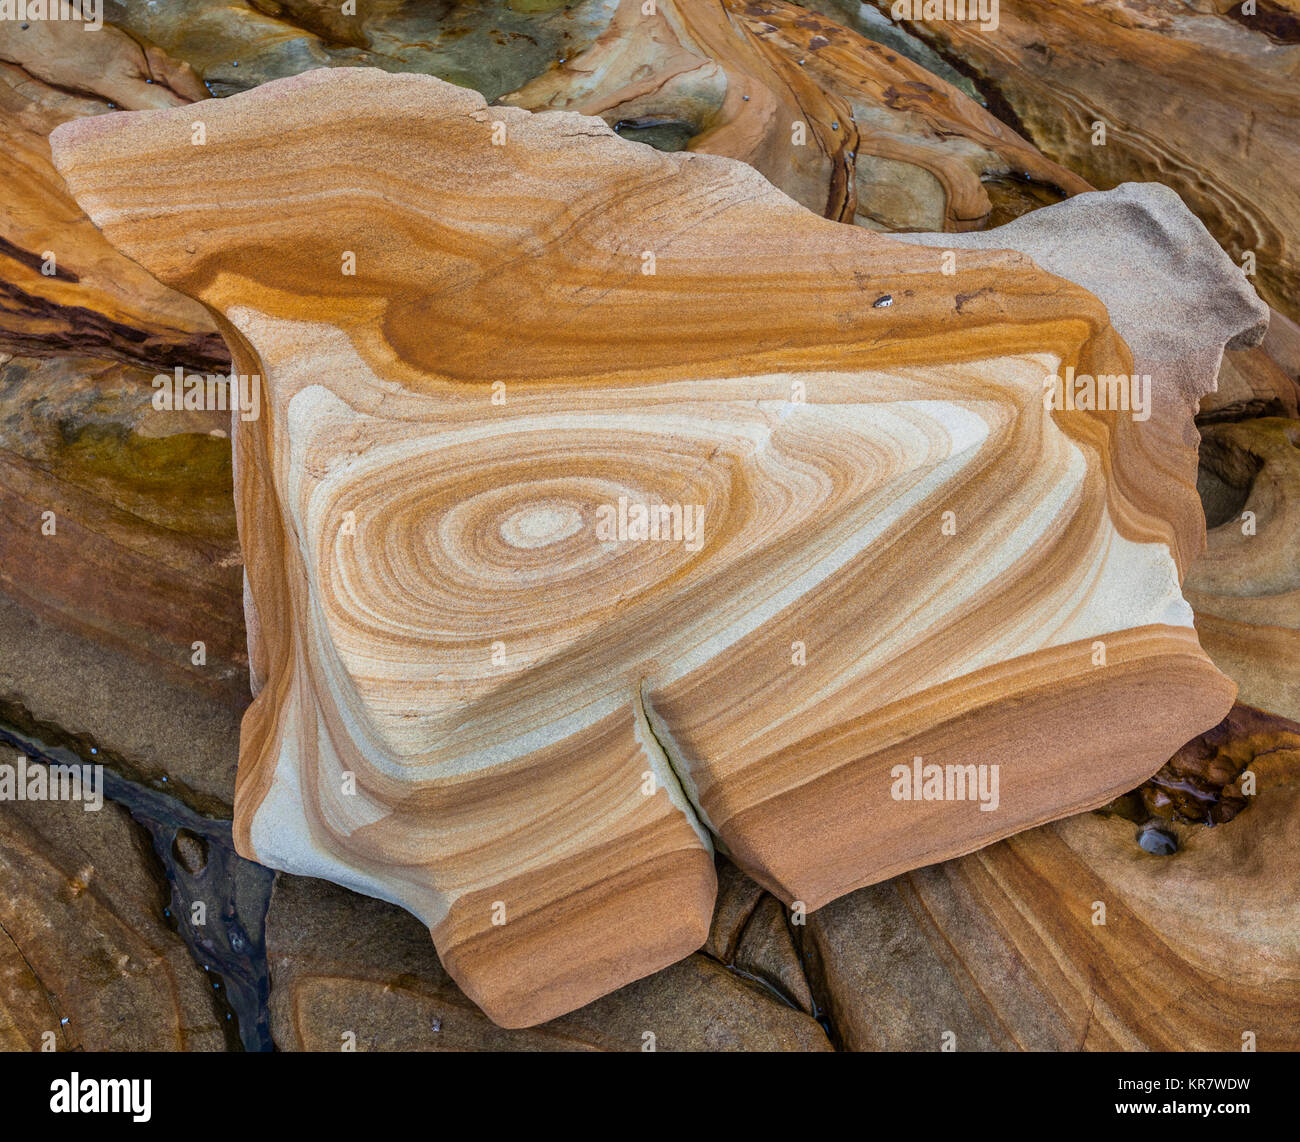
x=1157, y=841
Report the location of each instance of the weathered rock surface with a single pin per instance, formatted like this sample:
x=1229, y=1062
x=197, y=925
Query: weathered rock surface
x=74, y=658
x=455, y=814
x=767, y=951
x=842, y=124
x=1245, y=589
x=1201, y=99
x=1252, y=383
x=1282, y=344
x=77, y=691
x=98, y=302
x=87, y=959
x=140, y=550
x=492, y=47
x=1003, y=948
x=1179, y=302
x=738, y=896
x=1176, y=299
x=63, y=288
x=108, y=63
x=1203, y=782
x=887, y=142
x=119, y=556
x=345, y=964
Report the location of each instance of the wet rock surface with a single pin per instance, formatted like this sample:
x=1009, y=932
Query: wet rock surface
x=1206, y=782
x=87, y=959
x=167, y=879
x=492, y=47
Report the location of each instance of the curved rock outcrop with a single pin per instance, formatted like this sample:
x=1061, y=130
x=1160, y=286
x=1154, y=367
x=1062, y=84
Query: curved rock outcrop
x=842, y=124
x=604, y=501
x=1177, y=300
x=1201, y=96
x=63, y=289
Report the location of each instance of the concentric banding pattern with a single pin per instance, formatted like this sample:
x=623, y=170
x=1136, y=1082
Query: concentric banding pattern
x=477, y=705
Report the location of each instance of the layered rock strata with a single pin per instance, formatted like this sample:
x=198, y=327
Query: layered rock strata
x=485, y=691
